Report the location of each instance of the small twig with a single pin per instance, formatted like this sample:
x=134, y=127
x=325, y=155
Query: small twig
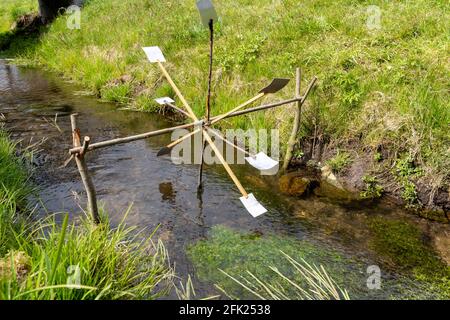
x=66, y=163
x=83, y=169
x=178, y=109
x=296, y=126
x=53, y=123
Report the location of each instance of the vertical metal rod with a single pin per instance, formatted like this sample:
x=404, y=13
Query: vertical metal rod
x=200, y=170
x=84, y=172
x=211, y=51
x=208, y=99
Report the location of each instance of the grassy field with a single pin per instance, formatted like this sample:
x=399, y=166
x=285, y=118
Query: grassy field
x=382, y=86
x=49, y=260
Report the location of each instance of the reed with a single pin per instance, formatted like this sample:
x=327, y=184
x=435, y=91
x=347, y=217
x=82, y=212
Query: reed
x=47, y=259
x=84, y=262
x=316, y=284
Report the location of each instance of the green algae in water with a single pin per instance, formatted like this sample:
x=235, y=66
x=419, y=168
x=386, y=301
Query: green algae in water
x=236, y=252
x=404, y=245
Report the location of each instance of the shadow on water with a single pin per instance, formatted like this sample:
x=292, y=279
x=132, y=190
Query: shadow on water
x=161, y=192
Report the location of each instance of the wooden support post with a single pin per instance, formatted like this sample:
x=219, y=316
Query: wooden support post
x=83, y=169
x=296, y=125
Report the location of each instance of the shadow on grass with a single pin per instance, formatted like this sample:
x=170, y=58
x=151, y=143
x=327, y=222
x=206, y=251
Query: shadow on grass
x=23, y=36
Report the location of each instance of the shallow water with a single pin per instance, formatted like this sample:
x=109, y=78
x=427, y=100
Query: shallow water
x=162, y=193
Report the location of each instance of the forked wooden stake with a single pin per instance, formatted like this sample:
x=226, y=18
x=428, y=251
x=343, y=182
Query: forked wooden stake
x=296, y=124
x=83, y=169
x=297, y=120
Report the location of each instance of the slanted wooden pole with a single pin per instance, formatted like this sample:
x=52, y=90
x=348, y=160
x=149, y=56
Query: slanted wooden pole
x=113, y=142
x=226, y=165
x=214, y=120
x=260, y=108
x=296, y=124
x=215, y=133
x=296, y=127
x=177, y=91
x=83, y=169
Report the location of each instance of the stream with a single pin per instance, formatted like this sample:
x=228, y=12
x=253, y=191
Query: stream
x=164, y=194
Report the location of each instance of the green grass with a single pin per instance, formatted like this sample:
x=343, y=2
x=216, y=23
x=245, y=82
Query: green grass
x=378, y=87
x=372, y=188
x=340, y=161
x=13, y=191
x=405, y=170
x=46, y=260
x=84, y=262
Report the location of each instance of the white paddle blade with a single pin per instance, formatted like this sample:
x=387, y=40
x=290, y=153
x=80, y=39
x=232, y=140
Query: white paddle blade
x=207, y=11
x=154, y=54
x=261, y=161
x=253, y=206
x=164, y=101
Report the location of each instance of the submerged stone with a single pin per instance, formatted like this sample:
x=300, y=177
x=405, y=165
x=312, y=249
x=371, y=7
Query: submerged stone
x=293, y=184
x=330, y=191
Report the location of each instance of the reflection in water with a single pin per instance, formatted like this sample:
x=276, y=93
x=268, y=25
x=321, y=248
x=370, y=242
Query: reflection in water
x=163, y=193
x=200, y=217
x=167, y=192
